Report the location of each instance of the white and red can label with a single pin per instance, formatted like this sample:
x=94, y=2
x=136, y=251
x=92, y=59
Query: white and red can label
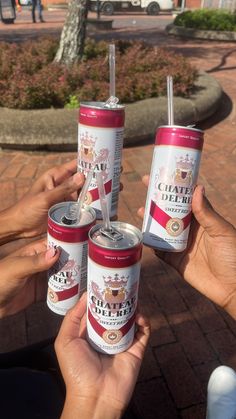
x=173, y=177
x=113, y=282
x=67, y=278
x=100, y=144
x=112, y=297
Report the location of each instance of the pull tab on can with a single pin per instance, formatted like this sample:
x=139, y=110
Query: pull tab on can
x=112, y=234
x=70, y=216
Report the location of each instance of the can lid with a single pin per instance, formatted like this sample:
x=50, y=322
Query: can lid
x=57, y=214
x=177, y=127
x=101, y=105
x=122, y=236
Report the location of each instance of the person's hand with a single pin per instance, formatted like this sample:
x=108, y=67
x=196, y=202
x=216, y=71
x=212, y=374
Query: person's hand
x=97, y=385
x=22, y=282
x=53, y=178
x=28, y=217
x=209, y=261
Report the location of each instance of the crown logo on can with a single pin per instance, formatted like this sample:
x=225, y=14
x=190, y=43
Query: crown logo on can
x=185, y=163
x=115, y=282
x=87, y=147
x=87, y=140
x=184, y=169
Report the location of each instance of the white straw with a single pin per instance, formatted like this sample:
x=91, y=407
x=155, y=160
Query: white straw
x=112, y=68
x=83, y=193
x=103, y=202
x=170, y=100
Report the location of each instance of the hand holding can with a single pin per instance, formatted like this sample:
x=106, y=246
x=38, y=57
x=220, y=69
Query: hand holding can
x=113, y=281
x=173, y=177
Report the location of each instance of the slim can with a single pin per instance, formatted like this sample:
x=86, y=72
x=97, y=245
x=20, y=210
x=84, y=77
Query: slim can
x=113, y=282
x=100, y=144
x=173, y=177
x=67, y=279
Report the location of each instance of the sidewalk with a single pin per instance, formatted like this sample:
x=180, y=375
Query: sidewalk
x=190, y=336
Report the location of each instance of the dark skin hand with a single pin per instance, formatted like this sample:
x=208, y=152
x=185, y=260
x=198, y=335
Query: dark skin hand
x=24, y=276
x=28, y=217
x=209, y=261
x=96, y=388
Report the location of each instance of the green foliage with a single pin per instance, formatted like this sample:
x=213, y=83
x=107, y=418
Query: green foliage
x=73, y=102
x=29, y=79
x=207, y=19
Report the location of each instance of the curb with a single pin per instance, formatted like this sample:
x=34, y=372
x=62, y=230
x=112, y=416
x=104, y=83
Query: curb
x=172, y=29
x=57, y=129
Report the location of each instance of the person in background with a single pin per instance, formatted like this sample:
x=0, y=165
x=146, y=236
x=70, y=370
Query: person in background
x=38, y=3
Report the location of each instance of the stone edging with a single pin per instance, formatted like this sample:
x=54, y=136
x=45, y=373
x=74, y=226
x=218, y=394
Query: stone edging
x=172, y=29
x=98, y=24
x=56, y=129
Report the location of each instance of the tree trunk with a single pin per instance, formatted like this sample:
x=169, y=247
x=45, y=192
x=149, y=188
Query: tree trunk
x=73, y=33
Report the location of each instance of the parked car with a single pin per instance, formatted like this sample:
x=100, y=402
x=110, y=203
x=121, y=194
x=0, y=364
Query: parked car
x=151, y=7
x=25, y=2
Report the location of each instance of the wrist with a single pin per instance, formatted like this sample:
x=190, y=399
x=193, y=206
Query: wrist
x=9, y=226
x=89, y=408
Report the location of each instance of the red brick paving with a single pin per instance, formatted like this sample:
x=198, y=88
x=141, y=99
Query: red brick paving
x=191, y=336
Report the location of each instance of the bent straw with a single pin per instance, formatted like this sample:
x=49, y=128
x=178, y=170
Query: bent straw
x=170, y=100
x=112, y=69
x=103, y=202
x=83, y=193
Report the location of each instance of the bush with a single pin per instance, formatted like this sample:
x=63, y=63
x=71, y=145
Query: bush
x=207, y=19
x=29, y=79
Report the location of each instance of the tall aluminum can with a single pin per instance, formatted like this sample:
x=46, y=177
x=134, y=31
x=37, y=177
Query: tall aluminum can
x=100, y=144
x=67, y=278
x=173, y=177
x=113, y=281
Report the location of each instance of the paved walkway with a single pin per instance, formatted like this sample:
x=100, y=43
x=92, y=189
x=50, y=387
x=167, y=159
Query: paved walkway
x=190, y=335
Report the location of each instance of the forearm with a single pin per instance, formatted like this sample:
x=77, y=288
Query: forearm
x=9, y=229
x=76, y=408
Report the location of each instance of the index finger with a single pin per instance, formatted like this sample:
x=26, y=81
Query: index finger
x=64, y=170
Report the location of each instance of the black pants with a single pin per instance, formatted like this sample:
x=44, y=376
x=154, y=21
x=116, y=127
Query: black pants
x=30, y=384
x=36, y=3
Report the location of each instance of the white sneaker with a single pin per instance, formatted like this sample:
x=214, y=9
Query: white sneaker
x=221, y=394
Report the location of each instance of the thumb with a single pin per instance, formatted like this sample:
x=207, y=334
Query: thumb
x=71, y=325
x=64, y=190
x=23, y=266
x=206, y=216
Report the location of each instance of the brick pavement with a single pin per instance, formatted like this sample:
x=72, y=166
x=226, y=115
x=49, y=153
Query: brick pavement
x=191, y=336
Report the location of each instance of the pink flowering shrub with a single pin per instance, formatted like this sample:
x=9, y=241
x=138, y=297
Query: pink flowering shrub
x=29, y=79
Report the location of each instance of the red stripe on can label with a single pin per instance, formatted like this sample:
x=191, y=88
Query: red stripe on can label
x=180, y=136
x=101, y=117
x=68, y=234
x=114, y=258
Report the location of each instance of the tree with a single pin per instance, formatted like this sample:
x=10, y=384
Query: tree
x=73, y=33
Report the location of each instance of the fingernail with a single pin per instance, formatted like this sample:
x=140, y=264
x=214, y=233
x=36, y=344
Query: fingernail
x=50, y=253
x=203, y=190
